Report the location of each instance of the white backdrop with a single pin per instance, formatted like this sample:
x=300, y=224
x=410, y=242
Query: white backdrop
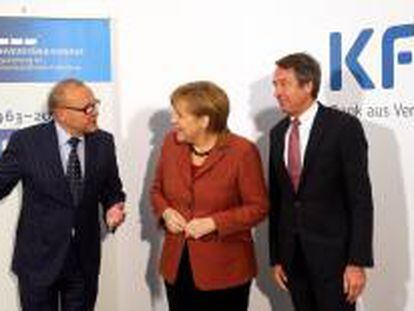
x=160, y=44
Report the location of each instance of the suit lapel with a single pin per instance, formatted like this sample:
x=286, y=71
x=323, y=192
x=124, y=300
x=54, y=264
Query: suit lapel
x=313, y=143
x=92, y=153
x=52, y=155
x=90, y=150
x=52, y=146
x=279, y=150
x=278, y=142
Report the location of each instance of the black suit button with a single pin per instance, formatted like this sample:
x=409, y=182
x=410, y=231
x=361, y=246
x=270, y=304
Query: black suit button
x=297, y=204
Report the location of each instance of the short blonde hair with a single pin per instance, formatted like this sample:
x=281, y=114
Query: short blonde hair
x=205, y=99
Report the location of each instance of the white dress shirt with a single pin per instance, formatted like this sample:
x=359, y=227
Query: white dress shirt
x=306, y=121
x=64, y=148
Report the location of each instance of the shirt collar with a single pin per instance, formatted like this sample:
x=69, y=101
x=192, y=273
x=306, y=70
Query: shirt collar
x=63, y=136
x=308, y=115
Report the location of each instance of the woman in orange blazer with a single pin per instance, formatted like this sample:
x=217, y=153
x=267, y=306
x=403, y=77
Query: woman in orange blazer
x=208, y=192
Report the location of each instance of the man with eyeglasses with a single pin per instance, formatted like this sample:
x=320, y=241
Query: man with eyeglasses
x=67, y=168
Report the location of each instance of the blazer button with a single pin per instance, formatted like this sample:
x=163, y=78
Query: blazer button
x=297, y=204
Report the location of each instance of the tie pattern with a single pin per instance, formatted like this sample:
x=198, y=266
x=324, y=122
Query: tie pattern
x=294, y=160
x=74, y=172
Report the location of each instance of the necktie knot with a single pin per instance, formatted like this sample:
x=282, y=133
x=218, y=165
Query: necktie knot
x=73, y=142
x=295, y=122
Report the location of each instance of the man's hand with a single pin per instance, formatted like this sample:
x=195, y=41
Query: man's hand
x=199, y=227
x=174, y=221
x=354, y=282
x=280, y=277
x=115, y=215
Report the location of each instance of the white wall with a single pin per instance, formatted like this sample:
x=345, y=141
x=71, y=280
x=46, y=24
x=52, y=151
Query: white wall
x=161, y=44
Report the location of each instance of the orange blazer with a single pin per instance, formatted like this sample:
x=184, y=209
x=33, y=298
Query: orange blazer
x=230, y=188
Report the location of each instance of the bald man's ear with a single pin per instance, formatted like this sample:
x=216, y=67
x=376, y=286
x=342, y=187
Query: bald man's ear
x=59, y=114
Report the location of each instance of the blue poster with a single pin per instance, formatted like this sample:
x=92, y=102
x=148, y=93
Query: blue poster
x=48, y=50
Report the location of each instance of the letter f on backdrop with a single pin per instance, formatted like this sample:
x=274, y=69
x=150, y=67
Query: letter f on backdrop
x=404, y=57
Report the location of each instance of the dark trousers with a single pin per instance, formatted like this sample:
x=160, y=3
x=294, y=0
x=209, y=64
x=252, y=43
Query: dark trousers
x=184, y=296
x=72, y=291
x=311, y=291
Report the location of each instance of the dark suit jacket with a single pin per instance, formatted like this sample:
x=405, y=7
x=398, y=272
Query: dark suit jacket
x=332, y=212
x=230, y=188
x=47, y=214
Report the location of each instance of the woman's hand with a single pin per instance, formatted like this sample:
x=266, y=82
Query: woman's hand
x=174, y=221
x=199, y=227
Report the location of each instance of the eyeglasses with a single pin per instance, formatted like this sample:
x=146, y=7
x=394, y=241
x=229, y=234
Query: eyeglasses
x=88, y=109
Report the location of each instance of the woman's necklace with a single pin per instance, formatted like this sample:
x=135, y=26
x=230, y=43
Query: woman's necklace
x=200, y=154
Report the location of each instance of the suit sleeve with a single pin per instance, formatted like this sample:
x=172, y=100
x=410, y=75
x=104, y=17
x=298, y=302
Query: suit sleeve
x=358, y=190
x=10, y=170
x=253, y=194
x=113, y=192
x=274, y=198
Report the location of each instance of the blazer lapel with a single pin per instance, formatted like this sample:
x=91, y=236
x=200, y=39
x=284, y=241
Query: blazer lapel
x=216, y=155
x=184, y=165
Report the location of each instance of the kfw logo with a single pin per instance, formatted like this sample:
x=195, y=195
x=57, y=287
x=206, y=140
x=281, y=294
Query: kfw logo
x=363, y=78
